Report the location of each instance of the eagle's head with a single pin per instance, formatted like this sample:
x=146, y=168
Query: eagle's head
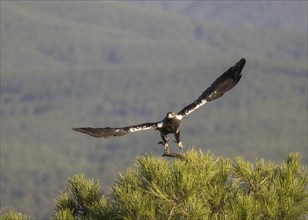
x=173, y=115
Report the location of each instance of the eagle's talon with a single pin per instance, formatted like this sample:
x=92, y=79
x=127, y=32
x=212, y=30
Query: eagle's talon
x=180, y=145
x=166, y=149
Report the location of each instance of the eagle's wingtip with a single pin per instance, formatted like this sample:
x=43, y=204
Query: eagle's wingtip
x=82, y=130
x=242, y=61
x=240, y=64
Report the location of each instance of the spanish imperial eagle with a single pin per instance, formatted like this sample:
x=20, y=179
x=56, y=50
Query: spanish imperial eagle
x=170, y=124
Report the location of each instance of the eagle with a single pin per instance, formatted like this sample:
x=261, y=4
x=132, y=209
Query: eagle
x=171, y=123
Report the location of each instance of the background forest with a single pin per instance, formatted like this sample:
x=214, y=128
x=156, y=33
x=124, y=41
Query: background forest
x=113, y=63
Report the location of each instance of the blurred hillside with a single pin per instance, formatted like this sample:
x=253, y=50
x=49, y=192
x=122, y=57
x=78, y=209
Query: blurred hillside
x=289, y=15
x=75, y=63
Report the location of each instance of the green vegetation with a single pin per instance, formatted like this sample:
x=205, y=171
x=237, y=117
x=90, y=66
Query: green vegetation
x=200, y=186
x=111, y=63
x=9, y=214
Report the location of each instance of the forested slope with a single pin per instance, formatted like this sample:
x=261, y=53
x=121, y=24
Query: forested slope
x=113, y=64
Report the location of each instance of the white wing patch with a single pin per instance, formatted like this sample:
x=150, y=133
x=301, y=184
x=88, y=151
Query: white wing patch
x=179, y=117
x=160, y=124
x=203, y=101
x=141, y=128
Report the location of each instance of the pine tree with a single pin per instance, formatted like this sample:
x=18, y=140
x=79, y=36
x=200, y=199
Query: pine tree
x=196, y=187
x=9, y=214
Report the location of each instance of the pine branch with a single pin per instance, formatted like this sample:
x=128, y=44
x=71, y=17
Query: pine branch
x=176, y=155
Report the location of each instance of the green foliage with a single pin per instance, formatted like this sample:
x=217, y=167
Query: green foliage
x=276, y=192
x=9, y=214
x=201, y=186
x=81, y=198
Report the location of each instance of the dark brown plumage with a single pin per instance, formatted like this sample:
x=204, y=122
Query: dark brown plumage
x=170, y=124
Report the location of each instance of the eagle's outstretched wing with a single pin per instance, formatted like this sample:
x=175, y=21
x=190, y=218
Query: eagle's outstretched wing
x=109, y=132
x=221, y=85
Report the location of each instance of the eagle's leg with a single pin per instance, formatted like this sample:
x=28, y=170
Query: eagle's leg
x=177, y=139
x=164, y=141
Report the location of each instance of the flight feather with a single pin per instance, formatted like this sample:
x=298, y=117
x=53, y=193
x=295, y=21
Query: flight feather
x=221, y=85
x=110, y=132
